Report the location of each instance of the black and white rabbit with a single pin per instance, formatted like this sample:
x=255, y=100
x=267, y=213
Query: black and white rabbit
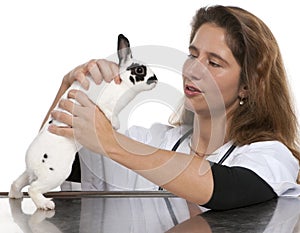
x=49, y=158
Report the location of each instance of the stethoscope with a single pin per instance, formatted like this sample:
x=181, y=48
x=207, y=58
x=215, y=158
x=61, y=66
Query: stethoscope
x=174, y=148
x=189, y=132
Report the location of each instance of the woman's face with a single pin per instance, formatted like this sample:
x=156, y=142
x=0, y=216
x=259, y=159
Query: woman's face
x=211, y=74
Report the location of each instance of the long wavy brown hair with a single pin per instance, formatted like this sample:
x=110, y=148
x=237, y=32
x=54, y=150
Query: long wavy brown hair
x=267, y=113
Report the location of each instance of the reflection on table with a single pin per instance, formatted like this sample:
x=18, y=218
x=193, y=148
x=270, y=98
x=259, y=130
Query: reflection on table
x=143, y=212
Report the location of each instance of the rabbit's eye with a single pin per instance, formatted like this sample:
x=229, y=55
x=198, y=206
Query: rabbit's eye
x=140, y=70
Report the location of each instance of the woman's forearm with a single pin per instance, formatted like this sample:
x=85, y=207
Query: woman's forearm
x=64, y=86
x=184, y=175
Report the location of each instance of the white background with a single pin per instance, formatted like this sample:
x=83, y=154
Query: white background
x=40, y=41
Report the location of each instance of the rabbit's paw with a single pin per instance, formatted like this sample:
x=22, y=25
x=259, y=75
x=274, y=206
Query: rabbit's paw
x=14, y=192
x=45, y=204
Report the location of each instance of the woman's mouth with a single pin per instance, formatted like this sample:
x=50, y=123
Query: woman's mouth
x=190, y=91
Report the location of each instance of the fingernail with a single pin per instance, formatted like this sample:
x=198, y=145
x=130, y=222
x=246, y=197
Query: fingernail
x=118, y=80
x=53, y=113
x=85, y=84
x=51, y=128
x=71, y=94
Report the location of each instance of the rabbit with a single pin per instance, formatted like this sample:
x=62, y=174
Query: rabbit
x=49, y=157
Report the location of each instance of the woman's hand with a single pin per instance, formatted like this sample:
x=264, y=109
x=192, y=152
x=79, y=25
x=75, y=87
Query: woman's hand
x=87, y=123
x=98, y=70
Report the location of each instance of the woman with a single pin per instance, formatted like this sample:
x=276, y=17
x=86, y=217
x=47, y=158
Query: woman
x=242, y=148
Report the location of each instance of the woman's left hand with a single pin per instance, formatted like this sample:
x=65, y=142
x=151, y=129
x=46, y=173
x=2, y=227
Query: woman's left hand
x=87, y=124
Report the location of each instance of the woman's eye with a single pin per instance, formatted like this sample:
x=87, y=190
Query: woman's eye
x=214, y=64
x=192, y=56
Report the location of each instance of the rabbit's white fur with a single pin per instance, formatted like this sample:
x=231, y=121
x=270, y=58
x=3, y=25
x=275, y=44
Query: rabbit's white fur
x=49, y=158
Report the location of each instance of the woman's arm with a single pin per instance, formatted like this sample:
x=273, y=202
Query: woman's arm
x=184, y=175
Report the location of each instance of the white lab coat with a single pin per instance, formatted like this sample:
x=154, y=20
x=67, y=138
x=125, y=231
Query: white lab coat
x=271, y=160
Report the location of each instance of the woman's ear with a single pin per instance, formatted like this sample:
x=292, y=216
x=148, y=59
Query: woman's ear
x=244, y=92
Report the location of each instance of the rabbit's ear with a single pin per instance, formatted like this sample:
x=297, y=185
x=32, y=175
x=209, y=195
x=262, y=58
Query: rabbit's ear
x=124, y=51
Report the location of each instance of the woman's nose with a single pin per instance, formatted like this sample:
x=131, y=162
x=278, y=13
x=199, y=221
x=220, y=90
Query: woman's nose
x=194, y=69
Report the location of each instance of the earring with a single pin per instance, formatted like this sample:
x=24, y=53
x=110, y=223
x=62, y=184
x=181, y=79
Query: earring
x=242, y=102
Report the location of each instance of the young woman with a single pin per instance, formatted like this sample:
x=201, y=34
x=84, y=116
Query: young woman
x=236, y=141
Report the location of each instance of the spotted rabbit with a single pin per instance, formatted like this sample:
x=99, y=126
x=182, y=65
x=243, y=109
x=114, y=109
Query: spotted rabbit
x=49, y=158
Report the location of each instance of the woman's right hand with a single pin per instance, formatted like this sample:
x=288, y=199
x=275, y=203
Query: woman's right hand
x=98, y=70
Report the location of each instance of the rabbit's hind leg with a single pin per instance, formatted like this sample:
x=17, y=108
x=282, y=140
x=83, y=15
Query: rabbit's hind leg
x=35, y=192
x=17, y=186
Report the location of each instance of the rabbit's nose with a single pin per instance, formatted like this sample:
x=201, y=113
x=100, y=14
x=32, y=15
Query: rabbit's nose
x=152, y=79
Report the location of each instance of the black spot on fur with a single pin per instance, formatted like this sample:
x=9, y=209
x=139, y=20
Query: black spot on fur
x=50, y=122
x=132, y=79
x=139, y=78
x=152, y=79
x=45, y=156
x=51, y=169
x=133, y=66
x=43, y=161
x=139, y=71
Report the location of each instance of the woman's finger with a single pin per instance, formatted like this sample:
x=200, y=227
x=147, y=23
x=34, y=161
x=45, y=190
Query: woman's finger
x=63, y=117
x=95, y=72
x=108, y=69
x=66, y=105
x=79, y=75
x=104, y=68
x=115, y=72
x=74, y=110
x=80, y=97
x=61, y=131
